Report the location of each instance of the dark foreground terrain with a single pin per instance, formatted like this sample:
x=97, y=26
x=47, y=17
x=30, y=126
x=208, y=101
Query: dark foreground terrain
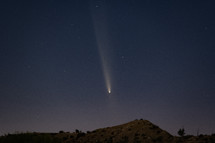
x=137, y=131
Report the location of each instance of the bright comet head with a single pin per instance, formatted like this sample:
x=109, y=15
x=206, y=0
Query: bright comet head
x=109, y=91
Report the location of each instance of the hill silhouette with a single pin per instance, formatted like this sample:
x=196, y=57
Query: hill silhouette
x=137, y=131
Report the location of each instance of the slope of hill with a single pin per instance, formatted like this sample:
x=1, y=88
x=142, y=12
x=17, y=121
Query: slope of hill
x=137, y=131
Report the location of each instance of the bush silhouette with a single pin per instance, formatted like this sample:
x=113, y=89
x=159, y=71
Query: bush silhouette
x=181, y=132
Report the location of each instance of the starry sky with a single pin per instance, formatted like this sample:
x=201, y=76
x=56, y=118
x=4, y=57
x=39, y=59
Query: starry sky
x=159, y=57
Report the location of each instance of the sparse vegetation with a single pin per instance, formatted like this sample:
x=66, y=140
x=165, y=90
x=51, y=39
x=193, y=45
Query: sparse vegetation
x=181, y=132
x=138, y=131
x=77, y=131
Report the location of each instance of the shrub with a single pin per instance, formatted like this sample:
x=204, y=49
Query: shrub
x=77, y=131
x=61, y=132
x=181, y=132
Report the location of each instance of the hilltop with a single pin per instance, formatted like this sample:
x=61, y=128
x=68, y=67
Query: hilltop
x=137, y=131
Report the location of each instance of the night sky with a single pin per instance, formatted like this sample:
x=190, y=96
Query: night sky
x=59, y=58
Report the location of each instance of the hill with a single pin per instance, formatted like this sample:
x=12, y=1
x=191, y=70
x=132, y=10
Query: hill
x=137, y=131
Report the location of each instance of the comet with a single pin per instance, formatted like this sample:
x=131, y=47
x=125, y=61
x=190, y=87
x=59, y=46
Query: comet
x=102, y=39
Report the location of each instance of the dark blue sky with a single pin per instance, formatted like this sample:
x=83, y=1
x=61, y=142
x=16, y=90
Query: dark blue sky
x=161, y=56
